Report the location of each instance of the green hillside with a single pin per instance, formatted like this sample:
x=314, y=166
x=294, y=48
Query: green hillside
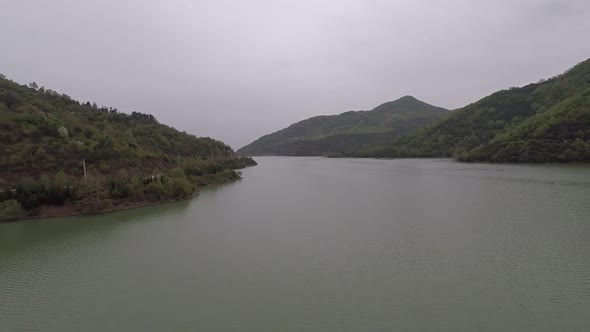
x=347, y=132
x=46, y=138
x=548, y=121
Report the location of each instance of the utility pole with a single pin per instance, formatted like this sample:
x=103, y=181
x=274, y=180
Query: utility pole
x=84, y=165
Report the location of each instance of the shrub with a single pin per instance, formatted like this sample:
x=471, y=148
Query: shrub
x=11, y=210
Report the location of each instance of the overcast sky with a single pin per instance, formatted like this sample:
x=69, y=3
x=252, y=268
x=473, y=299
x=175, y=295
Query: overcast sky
x=235, y=70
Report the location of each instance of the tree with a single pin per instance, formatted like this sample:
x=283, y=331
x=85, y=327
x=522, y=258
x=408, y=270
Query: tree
x=45, y=181
x=33, y=85
x=63, y=131
x=11, y=210
x=40, y=154
x=180, y=187
x=59, y=179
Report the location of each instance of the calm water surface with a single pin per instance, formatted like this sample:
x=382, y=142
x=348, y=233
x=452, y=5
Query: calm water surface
x=311, y=244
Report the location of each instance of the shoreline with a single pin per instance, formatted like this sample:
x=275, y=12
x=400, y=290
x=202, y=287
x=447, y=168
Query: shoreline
x=532, y=163
x=119, y=208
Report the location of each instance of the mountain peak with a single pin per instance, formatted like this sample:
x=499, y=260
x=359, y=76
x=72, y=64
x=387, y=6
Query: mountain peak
x=405, y=102
x=408, y=98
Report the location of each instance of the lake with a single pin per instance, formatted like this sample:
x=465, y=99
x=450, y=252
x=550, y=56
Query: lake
x=314, y=244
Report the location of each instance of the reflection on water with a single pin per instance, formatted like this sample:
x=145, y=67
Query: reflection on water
x=25, y=234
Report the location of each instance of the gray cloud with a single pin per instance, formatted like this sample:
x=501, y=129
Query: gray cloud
x=236, y=70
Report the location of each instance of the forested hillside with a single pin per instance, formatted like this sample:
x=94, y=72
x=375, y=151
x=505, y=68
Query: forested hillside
x=548, y=121
x=46, y=139
x=347, y=132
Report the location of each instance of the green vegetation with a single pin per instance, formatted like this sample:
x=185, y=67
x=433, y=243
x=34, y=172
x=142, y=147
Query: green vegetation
x=11, y=210
x=46, y=139
x=548, y=121
x=347, y=132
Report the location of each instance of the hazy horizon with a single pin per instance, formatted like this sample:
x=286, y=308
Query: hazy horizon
x=237, y=70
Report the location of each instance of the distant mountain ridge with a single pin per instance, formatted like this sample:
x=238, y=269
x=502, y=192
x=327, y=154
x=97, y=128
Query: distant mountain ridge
x=547, y=121
x=347, y=132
